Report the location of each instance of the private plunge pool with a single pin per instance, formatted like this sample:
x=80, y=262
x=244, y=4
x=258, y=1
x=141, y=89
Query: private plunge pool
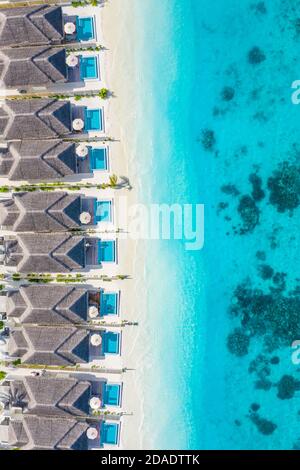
x=112, y=395
x=109, y=433
x=111, y=343
x=106, y=251
x=85, y=28
x=109, y=303
x=93, y=120
x=98, y=158
x=88, y=68
x=103, y=211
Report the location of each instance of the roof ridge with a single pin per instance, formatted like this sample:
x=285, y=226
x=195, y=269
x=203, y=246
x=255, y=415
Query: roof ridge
x=48, y=162
x=68, y=294
x=61, y=352
x=35, y=59
x=52, y=208
x=65, y=254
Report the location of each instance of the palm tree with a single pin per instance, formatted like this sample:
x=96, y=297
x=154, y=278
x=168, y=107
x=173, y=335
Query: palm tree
x=113, y=180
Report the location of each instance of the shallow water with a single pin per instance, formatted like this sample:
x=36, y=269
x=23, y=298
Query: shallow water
x=214, y=91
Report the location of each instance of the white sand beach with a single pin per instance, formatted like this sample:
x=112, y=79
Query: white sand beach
x=119, y=70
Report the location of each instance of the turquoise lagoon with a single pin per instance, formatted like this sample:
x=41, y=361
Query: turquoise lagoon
x=214, y=90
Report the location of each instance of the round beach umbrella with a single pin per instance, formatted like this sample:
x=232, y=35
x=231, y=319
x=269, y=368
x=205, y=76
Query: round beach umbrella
x=95, y=403
x=85, y=218
x=82, y=150
x=96, y=340
x=93, y=311
x=70, y=28
x=72, y=60
x=78, y=124
x=92, y=433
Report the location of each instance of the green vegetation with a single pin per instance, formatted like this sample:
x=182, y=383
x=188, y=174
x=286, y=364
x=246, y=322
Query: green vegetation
x=83, y=3
x=4, y=189
x=103, y=93
x=113, y=180
x=76, y=4
x=69, y=278
x=2, y=375
x=17, y=362
x=66, y=278
x=1, y=325
x=39, y=278
x=86, y=49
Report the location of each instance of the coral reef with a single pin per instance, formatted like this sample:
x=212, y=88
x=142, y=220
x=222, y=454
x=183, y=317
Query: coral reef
x=256, y=56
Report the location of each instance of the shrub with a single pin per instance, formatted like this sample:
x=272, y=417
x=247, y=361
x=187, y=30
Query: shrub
x=2, y=375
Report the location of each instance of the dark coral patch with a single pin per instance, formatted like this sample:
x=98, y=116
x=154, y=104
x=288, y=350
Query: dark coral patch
x=238, y=343
x=261, y=255
x=230, y=189
x=249, y=213
x=256, y=56
x=273, y=316
x=286, y=387
x=255, y=406
x=227, y=93
x=257, y=192
x=284, y=186
x=208, y=139
x=263, y=425
x=265, y=271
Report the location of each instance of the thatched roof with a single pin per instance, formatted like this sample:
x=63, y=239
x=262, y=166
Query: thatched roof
x=45, y=252
x=27, y=119
x=51, y=396
x=42, y=211
x=31, y=25
x=32, y=66
x=48, y=304
x=49, y=345
x=41, y=433
x=38, y=160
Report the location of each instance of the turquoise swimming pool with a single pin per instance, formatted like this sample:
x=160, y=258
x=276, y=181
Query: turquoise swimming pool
x=106, y=251
x=88, y=68
x=85, y=28
x=109, y=433
x=112, y=395
x=111, y=343
x=103, y=211
x=98, y=158
x=93, y=120
x=109, y=303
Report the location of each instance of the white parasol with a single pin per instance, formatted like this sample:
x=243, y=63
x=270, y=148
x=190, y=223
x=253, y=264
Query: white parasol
x=72, y=60
x=96, y=340
x=82, y=150
x=93, y=311
x=85, y=218
x=92, y=433
x=95, y=403
x=70, y=28
x=78, y=124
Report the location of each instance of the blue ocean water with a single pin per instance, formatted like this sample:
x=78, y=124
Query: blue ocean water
x=215, y=121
